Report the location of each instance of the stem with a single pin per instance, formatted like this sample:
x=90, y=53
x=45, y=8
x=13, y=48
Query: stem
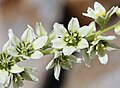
x=107, y=29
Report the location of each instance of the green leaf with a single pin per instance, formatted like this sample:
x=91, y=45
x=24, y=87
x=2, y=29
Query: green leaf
x=67, y=65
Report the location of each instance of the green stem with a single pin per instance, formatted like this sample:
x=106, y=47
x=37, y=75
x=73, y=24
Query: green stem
x=107, y=29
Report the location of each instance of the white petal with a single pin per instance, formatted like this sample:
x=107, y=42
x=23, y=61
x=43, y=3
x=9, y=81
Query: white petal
x=68, y=50
x=58, y=43
x=59, y=29
x=91, y=13
x=13, y=38
x=73, y=25
x=92, y=29
x=36, y=55
x=40, y=42
x=50, y=65
x=57, y=69
x=40, y=30
x=3, y=76
x=83, y=44
x=107, y=38
x=57, y=53
x=6, y=45
x=99, y=8
x=103, y=58
x=83, y=31
x=96, y=41
x=117, y=30
x=12, y=51
x=112, y=11
x=28, y=35
x=16, y=69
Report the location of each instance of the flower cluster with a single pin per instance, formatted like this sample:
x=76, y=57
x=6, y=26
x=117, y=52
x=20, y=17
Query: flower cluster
x=62, y=42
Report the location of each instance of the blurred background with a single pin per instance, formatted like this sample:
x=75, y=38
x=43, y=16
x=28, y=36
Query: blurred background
x=16, y=14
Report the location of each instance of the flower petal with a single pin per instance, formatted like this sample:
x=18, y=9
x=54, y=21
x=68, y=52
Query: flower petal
x=40, y=42
x=90, y=13
x=28, y=35
x=50, y=65
x=83, y=44
x=117, y=30
x=16, y=69
x=59, y=29
x=29, y=77
x=58, y=43
x=83, y=31
x=68, y=50
x=57, y=69
x=99, y=8
x=103, y=58
x=3, y=76
x=73, y=25
x=36, y=55
x=112, y=11
x=40, y=30
x=12, y=51
x=107, y=38
x=13, y=38
x=6, y=46
x=92, y=29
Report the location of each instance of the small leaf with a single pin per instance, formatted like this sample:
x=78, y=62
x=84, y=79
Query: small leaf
x=67, y=66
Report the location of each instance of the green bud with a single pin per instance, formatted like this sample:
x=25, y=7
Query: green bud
x=118, y=12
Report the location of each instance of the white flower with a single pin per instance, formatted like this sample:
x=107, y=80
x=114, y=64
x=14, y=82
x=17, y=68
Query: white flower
x=72, y=39
x=63, y=61
x=99, y=13
x=28, y=46
x=99, y=47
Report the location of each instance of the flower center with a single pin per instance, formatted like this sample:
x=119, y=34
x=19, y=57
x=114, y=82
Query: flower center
x=72, y=38
x=25, y=48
